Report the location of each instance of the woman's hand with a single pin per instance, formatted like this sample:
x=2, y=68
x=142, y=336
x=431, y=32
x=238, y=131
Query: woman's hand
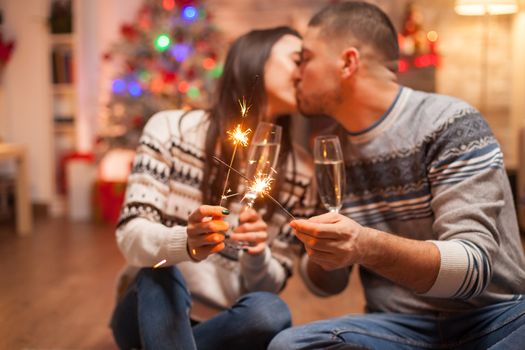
x=252, y=230
x=206, y=231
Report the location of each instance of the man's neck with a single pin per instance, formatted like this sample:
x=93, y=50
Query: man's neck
x=366, y=104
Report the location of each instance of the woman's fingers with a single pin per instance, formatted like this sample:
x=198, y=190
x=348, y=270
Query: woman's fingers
x=251, y=227
x=203, y=252
x=207, y=227
x=256, y=237
x=248, y=215
x=207, y=211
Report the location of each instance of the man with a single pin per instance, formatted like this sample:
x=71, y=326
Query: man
x=428, y=215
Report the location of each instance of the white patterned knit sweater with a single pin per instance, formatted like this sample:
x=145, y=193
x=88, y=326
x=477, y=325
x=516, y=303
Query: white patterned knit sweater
x=164, y=188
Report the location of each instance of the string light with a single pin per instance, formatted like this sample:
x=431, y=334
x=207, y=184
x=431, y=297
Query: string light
x=190, y=13
x=162, y=43
x=184, y=86
x=134, y=89
x=168, y=4
x=118, y=86
x=208, y=63
x=180, y=52
x=193, y=92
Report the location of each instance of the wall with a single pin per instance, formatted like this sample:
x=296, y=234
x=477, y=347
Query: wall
x=26, y=103
x=463, y=50
x=99, y=26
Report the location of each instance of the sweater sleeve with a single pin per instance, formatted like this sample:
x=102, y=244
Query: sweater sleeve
x=468, y=185
x=145, y=234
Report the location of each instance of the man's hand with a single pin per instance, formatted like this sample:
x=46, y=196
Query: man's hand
x=206, y=231
x=252, y=229
x=331, y=240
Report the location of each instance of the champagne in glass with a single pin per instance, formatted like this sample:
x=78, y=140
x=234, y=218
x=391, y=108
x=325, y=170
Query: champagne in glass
x=330, y=171
x=263, y=154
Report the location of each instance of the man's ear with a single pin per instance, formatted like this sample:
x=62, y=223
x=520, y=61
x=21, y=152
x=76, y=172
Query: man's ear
x=351, y=60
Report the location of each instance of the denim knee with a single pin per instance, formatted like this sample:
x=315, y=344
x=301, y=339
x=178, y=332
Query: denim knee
x=270, y=311
x=284, y=340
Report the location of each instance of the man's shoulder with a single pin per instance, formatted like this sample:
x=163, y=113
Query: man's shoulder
x=435, y=111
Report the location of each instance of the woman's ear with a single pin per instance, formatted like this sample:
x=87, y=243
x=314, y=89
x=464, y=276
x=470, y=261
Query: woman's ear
x=351, y=60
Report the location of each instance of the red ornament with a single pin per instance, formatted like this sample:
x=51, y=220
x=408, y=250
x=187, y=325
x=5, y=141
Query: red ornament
x=168, y=4
x=138, y=121
x=191, y=74
x=169, y=77
x=129, y=32
x=107, y=56
x=6, y=49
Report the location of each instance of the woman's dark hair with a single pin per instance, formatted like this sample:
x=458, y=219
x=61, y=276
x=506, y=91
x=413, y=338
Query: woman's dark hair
x=243, y=76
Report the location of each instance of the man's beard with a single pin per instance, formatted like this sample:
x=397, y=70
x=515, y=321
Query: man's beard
x=316, y=105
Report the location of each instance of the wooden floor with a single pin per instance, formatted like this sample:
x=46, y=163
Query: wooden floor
x=57, y=288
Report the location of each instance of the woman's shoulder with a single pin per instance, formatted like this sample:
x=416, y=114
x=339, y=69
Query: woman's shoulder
x=166, y=124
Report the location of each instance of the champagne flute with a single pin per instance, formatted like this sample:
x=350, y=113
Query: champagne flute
x=330, y=171
x=263, y=154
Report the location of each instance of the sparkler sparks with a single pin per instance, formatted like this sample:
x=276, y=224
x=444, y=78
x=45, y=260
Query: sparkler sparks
x=239, y=136
x=220, y=161
x=159, y=264
x=245, y=107
x=261, y=184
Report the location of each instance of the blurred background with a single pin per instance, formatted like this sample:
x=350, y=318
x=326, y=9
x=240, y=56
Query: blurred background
x=79, y=79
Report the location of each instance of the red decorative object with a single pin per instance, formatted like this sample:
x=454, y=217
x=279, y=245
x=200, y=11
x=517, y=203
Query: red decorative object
x=129, y=32
x=108, y=197
x=6, y=49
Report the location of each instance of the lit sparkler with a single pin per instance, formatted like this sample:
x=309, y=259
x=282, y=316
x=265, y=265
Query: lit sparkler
x=220, y=161
x=239, y=137
x=260, y=186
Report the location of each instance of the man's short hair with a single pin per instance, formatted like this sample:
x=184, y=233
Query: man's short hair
x=361, y=21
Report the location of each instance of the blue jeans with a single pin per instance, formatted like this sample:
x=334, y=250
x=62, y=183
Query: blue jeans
x=154, y=314
x=498, y=326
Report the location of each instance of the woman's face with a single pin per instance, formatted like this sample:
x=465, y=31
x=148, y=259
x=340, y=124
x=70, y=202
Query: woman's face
x=278, y=72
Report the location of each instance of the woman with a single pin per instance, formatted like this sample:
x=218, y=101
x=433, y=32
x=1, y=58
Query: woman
x=231, y=292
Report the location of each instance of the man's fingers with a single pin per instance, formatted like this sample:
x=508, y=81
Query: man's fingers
x=206, y=211
x=325, y=231
x=316, y=243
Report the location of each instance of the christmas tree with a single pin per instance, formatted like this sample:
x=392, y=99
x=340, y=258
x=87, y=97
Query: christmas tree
x=169, y=59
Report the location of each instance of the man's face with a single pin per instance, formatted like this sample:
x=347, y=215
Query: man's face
x=317, y=78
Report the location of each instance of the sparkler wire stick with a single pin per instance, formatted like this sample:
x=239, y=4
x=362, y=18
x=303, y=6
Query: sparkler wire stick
x=220, y=161
x=228, y=175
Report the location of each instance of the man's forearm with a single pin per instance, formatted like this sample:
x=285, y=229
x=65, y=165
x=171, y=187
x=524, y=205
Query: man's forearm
x=410, y=263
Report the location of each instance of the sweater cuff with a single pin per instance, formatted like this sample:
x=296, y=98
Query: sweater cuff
x=255, y=262
x=176, y=245
x=452, y=270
